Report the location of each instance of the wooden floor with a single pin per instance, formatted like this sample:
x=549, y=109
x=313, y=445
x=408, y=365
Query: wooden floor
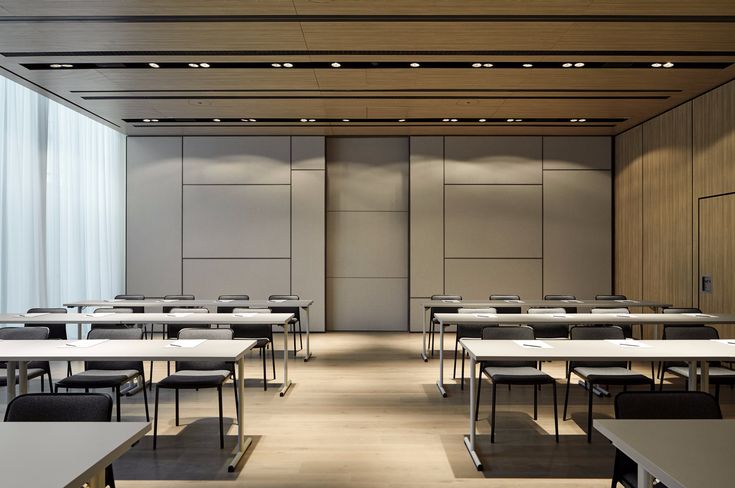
x=365, y=412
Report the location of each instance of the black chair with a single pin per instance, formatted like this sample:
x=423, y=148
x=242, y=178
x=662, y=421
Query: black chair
x=549, y=331
x=681, y=310
x=263, y=335
x=513, y=373
x=168, y=309
x=610, y=298
x=296, y=320
x=718, y=374
x=507, y=309
x=135, y=309
x=115, y=326
x=662, y=406
x=193, y=375
x=562, y=298
x=228, y=309
x=172, y=332
x=109, y=374
x=600, y=372
x=35, y=369
x=62, y=407
x=435, y=310
x=56, y=331
x=627, y=328
x=468, y=330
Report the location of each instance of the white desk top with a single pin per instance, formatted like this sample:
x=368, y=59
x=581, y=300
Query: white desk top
x=159, y=302
x=545, y=303
x=62, y=454
x=681, y=453
x=122, y=350
x=599, y=350
x=148, y=318
x=585, y=318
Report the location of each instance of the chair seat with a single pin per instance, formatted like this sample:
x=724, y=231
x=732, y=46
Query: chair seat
x=195, y=379
x=98, y=378
x=612, y=376
x=717, y=374
x=32, y=373
x=524, y=375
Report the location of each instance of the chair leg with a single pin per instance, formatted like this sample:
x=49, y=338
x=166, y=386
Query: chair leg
x=454, y=370
x=150, y=375
x=301, y=341
x=50, y=382
x=68, y=368
x=117, y=404
x=431, y=338
x=42, y=382
x=265, y=379
x=535, y=403
x=155, y=420
x=589, y=411
x=566, y=396
x=556, y=415
x=293, y=333
x=145, y=398
x=479, y=387
x=176, y=401
x=492, y=415
x=661, y=382
x=237, y=400
x=273, y=358
x=221, y=427
x=463, y=356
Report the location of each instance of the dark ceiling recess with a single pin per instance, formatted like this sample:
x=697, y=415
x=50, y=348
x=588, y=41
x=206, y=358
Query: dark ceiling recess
x=224, y=120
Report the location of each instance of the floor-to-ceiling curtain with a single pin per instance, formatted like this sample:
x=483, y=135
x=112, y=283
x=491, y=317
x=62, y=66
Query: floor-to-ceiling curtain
x=62, y=197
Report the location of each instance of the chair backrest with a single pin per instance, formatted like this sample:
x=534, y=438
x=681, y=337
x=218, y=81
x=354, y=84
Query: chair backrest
x=507, y=309
x=596, y=333
x=56, y=331
x=610, y=297
x=60, y=407
x=178, y=297
x=189, y=310
x=174, y=329
x=446, y=297
x=546, y=310
x=130, y=297
x=563, y=297
x=228, y=309
x=681, y=310
x=294, y=310
x=666, y=405
x=514, y=332
x=477, y=310
x=610, y=310
x=693, y=332
x=24, y=333
x=284, y=297
x=114, y=310
x=115, y=334
x=435, y=310
x=209, y=334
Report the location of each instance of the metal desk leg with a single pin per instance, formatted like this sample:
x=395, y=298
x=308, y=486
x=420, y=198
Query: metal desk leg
x=692, y=385
x=242, y=442
x=424, y=356
x=286, y=381
x=79, y=325
x=11, y=379
x=704, y=380
x=469, y=441
x=645, y=480
x=307, y=324
x=440, y=383
x=23, y=379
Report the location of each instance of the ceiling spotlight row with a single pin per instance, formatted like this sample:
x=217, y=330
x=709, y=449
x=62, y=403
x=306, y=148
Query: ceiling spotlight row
x=667, y=64
x=346, y=120
x=57, y=66
x=196, y=65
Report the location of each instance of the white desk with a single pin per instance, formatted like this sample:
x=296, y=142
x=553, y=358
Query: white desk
x=584, y=304
x=22, y=352
x=280, y=319
x=692, y=352
x=680, y=453
x=63, y=454
x=157, y=303
x=572, y=319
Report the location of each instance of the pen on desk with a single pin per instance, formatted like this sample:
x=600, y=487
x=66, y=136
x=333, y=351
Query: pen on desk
x=531, y=345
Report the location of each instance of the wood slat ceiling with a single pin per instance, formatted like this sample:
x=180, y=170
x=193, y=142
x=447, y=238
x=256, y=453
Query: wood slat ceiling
x=300, y=31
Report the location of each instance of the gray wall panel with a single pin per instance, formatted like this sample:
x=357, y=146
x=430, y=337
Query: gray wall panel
x=367, y=244
x=577, y=152
x=153, y=207
x=492, y=160
x=308, y=251
x=237, y=221
x=237, y=160
x=209, y=278
x=427, y=216
x=367, y=304
x=307, y=152
x=476, y=279
x=493, y=221
x=577, y=233
x=367, y=173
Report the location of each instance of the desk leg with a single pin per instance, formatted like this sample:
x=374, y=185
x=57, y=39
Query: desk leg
x=692, y=384
x=307, y=324
x=645, y=480
x=286, y=381
x=79, y=325
x=469, y=441
x=11, y=379
x=704, y=380
x=424, y=356
x=440, y=383
x=23, y=379
x=242, y=442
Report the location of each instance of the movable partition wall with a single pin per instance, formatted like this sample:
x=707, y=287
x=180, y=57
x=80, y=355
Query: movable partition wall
x=361, y=224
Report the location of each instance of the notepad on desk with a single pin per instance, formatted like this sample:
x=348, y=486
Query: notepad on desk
x=98, y=315
x=225, y=301
x=572, y=301
x=84, y=343
x=700, y=315
x=730, y=342
x=625, y=301
x=450, y=301
x=560, y=316
x=186, y=343
x=628, y=343
x=178, y=315
x=277, y=301
x=514, y=301
x=485, y=315
x=31, y=315
x=534, y=344
x=250, y=314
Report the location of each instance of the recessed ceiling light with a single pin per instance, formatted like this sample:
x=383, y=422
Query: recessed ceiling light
x=414, y=65
x=572, y=120
x=336, y=65
x=204, y=65
x=510, y=120
x=153, y=65
x=445, y=120
x=193, y=65
x=488, y=65
x=276, y=65
x=154, y=120
x=668, y=64
x=454, y=120
x=67, y=65
x=482, y=120
x=345, y=120
x=656, y=65
x=477, y=65
x=253, y=120
x=312, y=120
x=146, y=120
x=567, y=65
x=578, y=65
x=583, y=120
x=527, y=65
x=287, y=65
x=519, y=120
x=55, y=66
x=401, y=120
x=304, y=120
x=215, y=120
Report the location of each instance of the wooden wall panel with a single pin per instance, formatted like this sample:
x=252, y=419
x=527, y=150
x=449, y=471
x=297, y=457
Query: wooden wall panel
x=713, y=116
x=667, y=207
x=628, y=213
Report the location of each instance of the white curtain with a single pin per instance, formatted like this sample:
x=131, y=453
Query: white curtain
x=62, y=197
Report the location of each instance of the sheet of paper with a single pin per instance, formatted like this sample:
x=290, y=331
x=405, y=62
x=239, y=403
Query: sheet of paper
x=186, y=343
x=625, y=315
x=627, y=343
x=700, y=315
x=559, y=316
x=514, y=301
x=99, y=315
x=730, y=342
x=485, y=315
x=110, y=300
x=450, y=301
x=31, y=315
x=178, y=315
x=84, y=343
x=534, y=344
x=572, y=301
x=168, y=300
x=277, y=301
x=250, y=314
x=626, y=301
x=225, y=301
